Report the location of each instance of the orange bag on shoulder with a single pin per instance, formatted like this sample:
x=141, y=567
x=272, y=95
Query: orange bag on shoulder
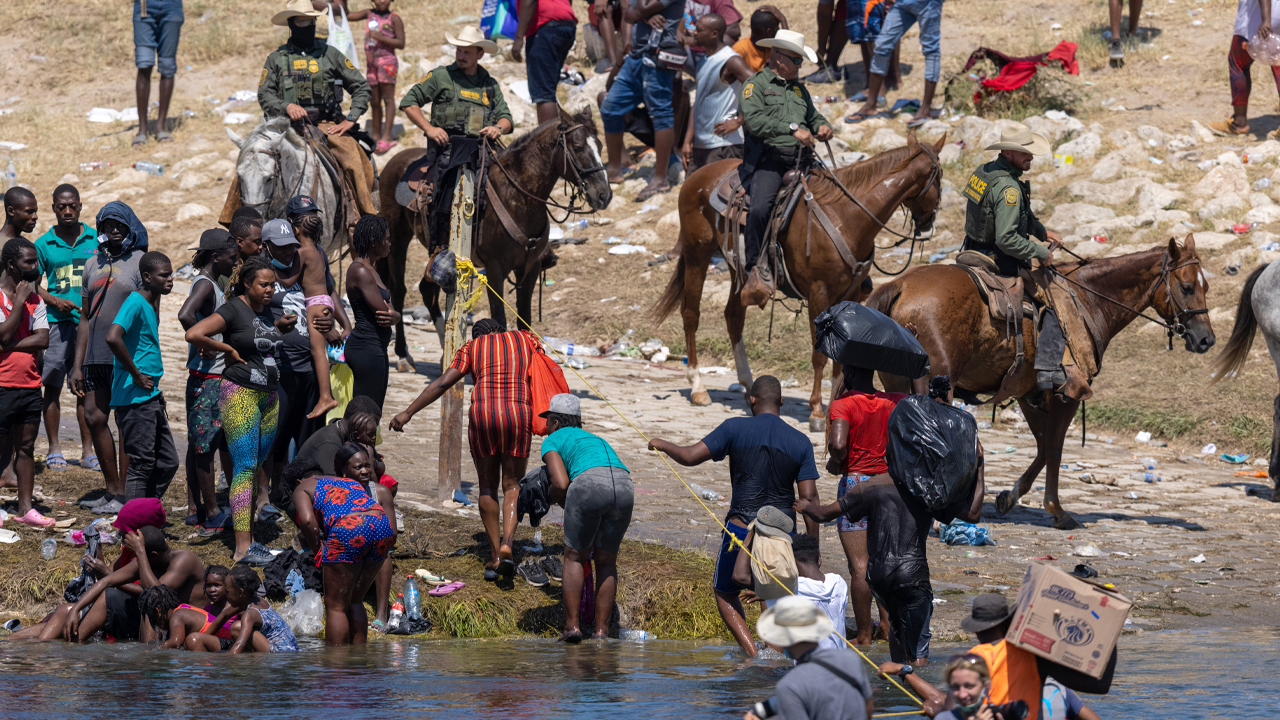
x=546, y=380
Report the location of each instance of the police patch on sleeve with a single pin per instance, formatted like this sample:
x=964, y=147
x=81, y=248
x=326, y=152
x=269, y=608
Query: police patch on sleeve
x=746, y=91
x=349, y=65
x=1010, y=196
x=263, y=80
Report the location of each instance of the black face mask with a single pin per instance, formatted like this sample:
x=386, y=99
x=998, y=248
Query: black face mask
x=302, y=37
x=31, y=275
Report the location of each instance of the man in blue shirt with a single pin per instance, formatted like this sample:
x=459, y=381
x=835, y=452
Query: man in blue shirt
x=134, y=339
x=767, y=460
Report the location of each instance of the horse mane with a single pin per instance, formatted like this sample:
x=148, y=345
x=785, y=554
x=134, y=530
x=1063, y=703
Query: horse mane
x=280, y=125
x=522, y=143
x=859, y=175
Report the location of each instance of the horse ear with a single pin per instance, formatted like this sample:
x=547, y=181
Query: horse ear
x=585, y=115
x=937, y=147
x=565, y=117
x=239, y=141
x=1189, y=245
x=1175, y=250
x=912, y=143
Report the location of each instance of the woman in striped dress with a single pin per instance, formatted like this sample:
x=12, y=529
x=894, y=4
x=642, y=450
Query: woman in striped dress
x=500, y=425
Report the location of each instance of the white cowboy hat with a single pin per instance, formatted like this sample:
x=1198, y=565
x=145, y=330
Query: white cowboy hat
x=471, y=37
x=294, y=8
x=1020, y=138
x=792, y=620
x=791, y=41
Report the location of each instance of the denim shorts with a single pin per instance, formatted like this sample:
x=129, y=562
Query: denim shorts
x=637, y=82
x=897, y=21
x=545, y=53
x=155, y=37
x=722, y=579
x=847, y=483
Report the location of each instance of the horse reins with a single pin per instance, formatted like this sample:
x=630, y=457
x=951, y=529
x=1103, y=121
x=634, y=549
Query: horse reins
x=277, y=181
x=568, y=160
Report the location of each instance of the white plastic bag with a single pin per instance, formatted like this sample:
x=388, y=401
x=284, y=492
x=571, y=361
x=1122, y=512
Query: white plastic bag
x=1266, y=52
x=340, y=37
x=305, y=613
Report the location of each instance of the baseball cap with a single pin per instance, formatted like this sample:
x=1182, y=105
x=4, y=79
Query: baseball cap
x=215, y=239
x=299, y=204
x=279, y=232
x=564, y=404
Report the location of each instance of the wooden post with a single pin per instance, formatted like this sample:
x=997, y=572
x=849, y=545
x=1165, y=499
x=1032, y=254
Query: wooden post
x=460, y=225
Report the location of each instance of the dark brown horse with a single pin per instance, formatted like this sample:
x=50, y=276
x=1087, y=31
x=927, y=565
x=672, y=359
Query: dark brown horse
x=523, y=176
x=909, y=176
x=954, y=325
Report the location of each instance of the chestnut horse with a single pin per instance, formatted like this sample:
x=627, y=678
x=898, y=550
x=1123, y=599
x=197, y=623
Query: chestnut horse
x=909, y=176
x=523, y=176
x=954, y=325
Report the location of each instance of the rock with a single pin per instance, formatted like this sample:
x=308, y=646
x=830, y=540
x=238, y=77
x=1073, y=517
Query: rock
x=973, y=129
x=1156, y=197
x=1259, y=200
x=1223, y=179
x=1067, y=216
x=585, y=94
x=1213, y=240
x=192, y=162
x=1264, y=151
x=127, y=176
x=1085, y=146
x=950, y=198
x=1220, y=205
x=633, y=186
x=933, y=129
x=626, y=224
x=850, y=134
x=851, y=157
x=1108, y=193
x=1180, y=142
x=1263, y=215
x=1037, y=206
x=839, y=146
x=1107, y=226
x=1162, y=217
x=645, y=236
x=191, y=211
x=1202, y=134
x=1089, y=248
x=1108, y=167
x=1122, y=138
x=222, y=168
x=69, y=178
x=171, y=197
x=669, y=224
x=192, y=180
x=1151, y=132
x=1053, y=130
x=886, y=139
x=1230, y=158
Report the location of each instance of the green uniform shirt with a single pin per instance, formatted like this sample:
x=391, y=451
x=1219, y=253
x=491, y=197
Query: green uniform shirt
x=62, y=266
x=1005, y=199
x=770, y=104
x=305, y=77
x=453, y=95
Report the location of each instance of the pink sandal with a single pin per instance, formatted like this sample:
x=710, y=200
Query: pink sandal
x=446, y=589
x=383, y=147
x=33, y=517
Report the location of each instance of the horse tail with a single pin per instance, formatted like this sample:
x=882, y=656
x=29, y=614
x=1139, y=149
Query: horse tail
x=883, y=298
x=673, y=295
x=1237, y=350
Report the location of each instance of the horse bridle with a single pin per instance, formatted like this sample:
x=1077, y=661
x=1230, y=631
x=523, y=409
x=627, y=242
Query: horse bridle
x=1178, y=326
x=277, y=179
x=578, y=184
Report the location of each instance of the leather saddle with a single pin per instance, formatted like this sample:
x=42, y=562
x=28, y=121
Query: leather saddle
x=1003, y=295
x=732, y=201
x=415, y=189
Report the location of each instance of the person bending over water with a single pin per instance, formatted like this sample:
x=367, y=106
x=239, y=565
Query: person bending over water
x=260, y=629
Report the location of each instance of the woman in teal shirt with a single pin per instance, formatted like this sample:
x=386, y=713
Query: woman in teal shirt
x=594, y=487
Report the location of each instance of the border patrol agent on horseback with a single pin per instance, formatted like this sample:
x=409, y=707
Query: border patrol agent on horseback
x=298, y=81
x=781, y=122
x=1000, y=224
x=466, y=104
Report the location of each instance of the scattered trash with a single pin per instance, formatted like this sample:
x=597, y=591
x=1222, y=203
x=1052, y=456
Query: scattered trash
x=1209, y=449
x=1235, y=459
x=236, y=118
x=1084, y=571
x=1242, y=228
x=7, y=145
x=1199, y=558
x=461, y=19
x=1148, y=463
x=1147, y=477
x=1006, y=451
x=576, y=363
x=705, y=493
x=939, y=601
x=94, y=165
x=1142, y=437
x=984, y=425
x=648, y=207
x=1155, y=160
x=1262, y=184
x=304, y=613
x=1252, y=473
x=959, y=532
x=1133, y=495
x=107, y=115
x=48, y=548
x=566, y=346
x=149, y=168
x=8, y=536
x=627, y=249
x=461, y=497
x=715, y=370
x=1089, y=550
x=737, y=387
x=635, y=635
x=1206, y=165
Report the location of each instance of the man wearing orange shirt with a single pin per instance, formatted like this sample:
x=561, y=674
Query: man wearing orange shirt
x=765, y=23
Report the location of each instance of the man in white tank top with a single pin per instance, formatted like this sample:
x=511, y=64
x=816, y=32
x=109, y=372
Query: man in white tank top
x=715, y=130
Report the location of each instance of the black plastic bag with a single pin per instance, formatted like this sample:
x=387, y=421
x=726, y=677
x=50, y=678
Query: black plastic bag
x=853, y=334
x=932, y=451
x=409, y=626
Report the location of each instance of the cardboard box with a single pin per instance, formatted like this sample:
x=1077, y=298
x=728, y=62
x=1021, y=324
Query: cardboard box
x=1068, y=620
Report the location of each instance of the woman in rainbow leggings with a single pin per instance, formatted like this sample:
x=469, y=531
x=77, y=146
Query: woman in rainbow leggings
x=346, y=520
x=248, y=405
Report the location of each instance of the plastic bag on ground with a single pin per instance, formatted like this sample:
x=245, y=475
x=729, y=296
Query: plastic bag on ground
x=412, y=626
x=932, y=451
x=305, y=613
x=959, y=532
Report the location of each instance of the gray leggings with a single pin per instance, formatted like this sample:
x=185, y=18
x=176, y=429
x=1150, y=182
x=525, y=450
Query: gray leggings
x=597, y=509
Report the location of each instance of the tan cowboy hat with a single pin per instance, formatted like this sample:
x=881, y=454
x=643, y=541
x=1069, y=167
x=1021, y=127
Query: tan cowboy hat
x=471, y=37
x=1020, y=138
x=794, y=619
x=792, y=42
x=294, y=8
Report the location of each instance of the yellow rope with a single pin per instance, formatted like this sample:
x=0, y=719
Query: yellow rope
x=466, y=268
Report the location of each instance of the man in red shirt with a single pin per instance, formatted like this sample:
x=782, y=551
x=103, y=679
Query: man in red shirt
x=550, y=27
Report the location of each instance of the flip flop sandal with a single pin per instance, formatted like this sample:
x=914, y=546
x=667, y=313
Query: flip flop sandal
x=446, y=589
x=139, y=139
x=382, y=147
x=163, y=136
x=649, y=192
x=91, y=463
x=507, y=568
x=56, y=462
x=855, y=118
x=428, y=576
x=918, y=122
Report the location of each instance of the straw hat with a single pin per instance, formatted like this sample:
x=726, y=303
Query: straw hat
x=792, y=42
x=1020, y=138
x=294, y=8
x=794, y=619
x=471, y=37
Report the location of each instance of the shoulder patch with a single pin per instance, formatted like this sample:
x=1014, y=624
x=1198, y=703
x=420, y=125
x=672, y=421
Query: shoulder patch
x=1010, y=196
x=263, y=80
x=347, y=60
x=975, y=189
x=797, y=91
x=746, y=91
x=428, y=77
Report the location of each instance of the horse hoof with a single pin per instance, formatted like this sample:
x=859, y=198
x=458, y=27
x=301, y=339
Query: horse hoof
x=1005, y=501
x=817, y=424
x=701, y=398
x=1065, y=522
x=405, y=365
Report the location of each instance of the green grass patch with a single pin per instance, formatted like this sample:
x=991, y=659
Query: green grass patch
x=1159, y=423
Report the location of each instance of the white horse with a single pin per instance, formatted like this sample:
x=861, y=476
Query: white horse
x=1259, y=308
x=275, y=164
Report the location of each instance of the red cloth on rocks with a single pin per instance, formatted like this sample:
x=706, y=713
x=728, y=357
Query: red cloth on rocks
x=1018, y=71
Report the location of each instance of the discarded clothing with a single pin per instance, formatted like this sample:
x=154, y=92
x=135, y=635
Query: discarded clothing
x=959, y=532
x=534, y=490
x=1018, y=71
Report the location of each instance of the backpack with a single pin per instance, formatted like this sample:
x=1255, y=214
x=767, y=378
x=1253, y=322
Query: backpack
x=773, y=554
x=546, y=380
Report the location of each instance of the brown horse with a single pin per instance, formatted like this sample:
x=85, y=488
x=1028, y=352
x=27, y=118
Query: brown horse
x=909, y=176
x=523, y=176
x=954, y=325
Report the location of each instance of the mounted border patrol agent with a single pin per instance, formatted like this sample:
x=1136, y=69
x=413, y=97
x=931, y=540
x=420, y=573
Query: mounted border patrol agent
x=781, y=125
x=1000, y=224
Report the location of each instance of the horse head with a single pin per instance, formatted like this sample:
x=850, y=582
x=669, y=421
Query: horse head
x=1180, y=296
x=266, y=155
x=578, y=158
x=926, y=171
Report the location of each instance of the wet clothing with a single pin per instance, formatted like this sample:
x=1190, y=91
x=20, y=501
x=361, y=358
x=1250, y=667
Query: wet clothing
x=350, y=536
x=124, y=619
x=722, y=577
x=580, y=450
x=845, y=523
x=501, y=414
x=597, y=509
x=767, y=457
x=999, y=222
x=831, y=595
x=277, y=631
x=910, y=609
x=366, y=348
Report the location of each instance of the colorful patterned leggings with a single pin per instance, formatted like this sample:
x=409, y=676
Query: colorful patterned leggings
x=249, y=419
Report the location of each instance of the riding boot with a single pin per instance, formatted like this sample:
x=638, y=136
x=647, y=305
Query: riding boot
x=758, y=288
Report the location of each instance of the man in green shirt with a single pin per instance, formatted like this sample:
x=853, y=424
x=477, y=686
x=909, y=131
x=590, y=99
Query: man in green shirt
x=466, y=104
x=62, y=253
x=1000, y=224
x=781, y=124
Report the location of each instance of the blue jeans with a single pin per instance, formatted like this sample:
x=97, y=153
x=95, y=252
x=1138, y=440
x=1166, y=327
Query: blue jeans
x=637, y=82
x=545, y=53
x=901, y=17
x=155, y=37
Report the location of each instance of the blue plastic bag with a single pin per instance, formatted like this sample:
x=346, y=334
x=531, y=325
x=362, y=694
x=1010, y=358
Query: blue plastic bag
x=959, y=532
x=498, y=19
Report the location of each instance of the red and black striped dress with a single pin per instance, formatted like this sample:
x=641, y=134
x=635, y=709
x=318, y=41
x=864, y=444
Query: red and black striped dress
x=501, y=413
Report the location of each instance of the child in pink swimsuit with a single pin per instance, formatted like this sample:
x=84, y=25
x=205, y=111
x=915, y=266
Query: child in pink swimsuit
x=384, y=34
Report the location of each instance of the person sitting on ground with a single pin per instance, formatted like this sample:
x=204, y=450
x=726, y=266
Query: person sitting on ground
x=768, y=460
x=827, y=683
x=359, y=423
x=215, y=590
x=766, y=21
x=348, y=525
x=163, y=613
x=827, y=590
x=594, y=488
x=260, y=628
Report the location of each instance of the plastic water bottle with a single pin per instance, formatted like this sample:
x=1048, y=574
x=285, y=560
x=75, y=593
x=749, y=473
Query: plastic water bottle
x=150, y=168
x=635, y=635
x=579, y=224
x=704, y=493
x=48, y=548
x=397, y=612
x=1148, y=463
x=10, y=177
x=1262, y=184
x=412, y=598
x=1147, y=477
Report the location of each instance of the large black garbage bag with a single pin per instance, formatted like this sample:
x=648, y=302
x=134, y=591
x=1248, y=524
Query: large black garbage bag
x=932, y=451
x=854, y=334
